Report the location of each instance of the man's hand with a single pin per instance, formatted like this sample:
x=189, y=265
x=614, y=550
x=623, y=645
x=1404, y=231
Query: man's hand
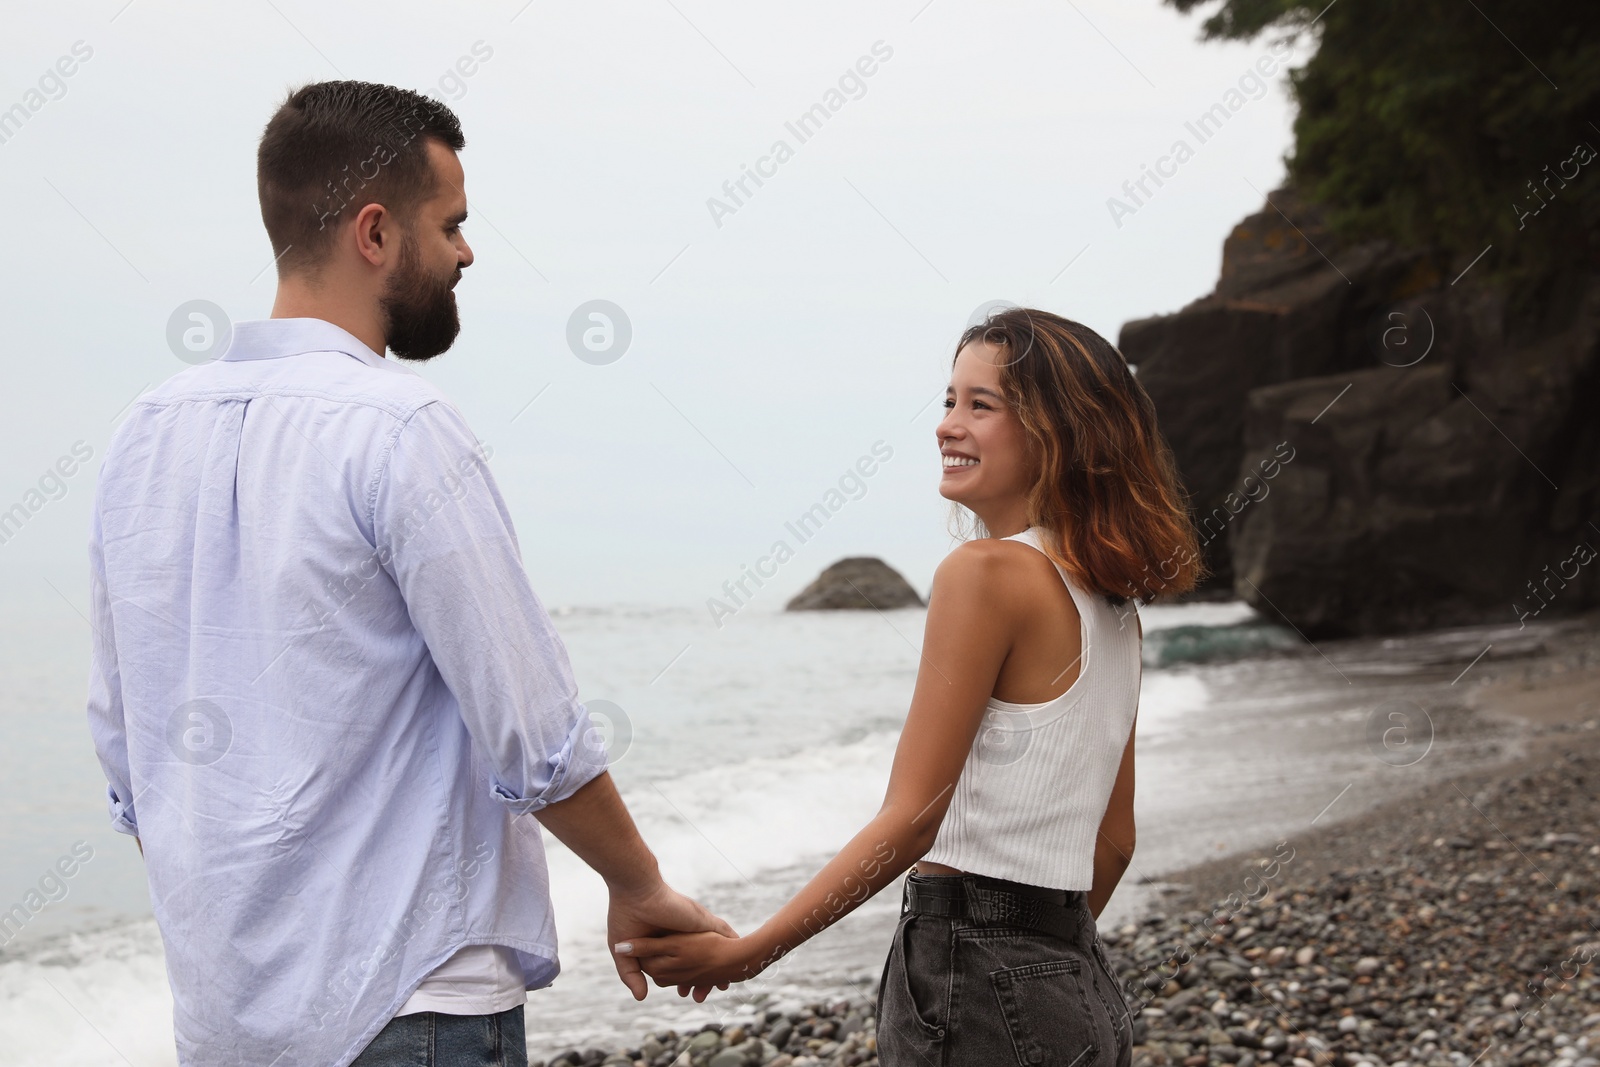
x=659, y=910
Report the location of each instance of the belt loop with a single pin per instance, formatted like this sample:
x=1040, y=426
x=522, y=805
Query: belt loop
x=973, y=906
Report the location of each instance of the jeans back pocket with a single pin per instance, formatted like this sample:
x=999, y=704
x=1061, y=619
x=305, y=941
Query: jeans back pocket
x=1048, y=1014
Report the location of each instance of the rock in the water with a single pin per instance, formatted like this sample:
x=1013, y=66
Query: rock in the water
x=860, y=582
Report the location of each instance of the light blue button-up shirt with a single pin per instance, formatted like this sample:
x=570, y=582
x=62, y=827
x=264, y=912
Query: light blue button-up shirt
x=322, y=691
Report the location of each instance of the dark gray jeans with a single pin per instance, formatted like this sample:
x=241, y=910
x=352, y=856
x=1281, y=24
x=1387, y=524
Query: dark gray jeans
x=432, y=1039
x=963, y=993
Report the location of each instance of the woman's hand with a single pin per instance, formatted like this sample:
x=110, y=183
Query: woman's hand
x=695, y=962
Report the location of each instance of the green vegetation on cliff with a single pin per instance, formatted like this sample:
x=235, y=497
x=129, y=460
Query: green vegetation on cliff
x=1447, y=125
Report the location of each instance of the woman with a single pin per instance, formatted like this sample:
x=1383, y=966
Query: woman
x=1012, y=786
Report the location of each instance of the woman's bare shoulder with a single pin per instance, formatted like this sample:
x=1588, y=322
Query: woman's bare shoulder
x=1007, y=571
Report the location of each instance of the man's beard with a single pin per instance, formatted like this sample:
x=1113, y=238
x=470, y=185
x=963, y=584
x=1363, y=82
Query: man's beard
x=420, y=317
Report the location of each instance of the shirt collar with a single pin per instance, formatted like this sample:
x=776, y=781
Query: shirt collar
x=272, y=338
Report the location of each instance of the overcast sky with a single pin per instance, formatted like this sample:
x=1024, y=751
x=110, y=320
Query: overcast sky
x=772, y=345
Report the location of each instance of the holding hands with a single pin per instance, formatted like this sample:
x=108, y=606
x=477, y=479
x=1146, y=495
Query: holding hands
x=695, y=962
x=658, y=909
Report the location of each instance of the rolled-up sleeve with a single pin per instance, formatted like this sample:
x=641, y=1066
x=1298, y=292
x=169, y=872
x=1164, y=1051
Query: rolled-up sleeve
x=107, y=727
x=441, y=530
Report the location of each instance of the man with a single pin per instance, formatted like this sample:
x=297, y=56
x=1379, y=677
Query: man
x=322, y=689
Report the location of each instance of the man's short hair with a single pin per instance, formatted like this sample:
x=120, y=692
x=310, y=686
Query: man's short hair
x=331, y=149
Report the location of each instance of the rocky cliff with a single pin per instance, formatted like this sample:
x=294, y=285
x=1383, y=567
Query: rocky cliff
x=1374, y=446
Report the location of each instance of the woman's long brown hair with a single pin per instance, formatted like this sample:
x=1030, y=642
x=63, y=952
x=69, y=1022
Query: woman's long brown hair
x=1107, y=487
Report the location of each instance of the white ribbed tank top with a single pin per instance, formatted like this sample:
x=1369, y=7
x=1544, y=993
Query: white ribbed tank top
x=1030, y=798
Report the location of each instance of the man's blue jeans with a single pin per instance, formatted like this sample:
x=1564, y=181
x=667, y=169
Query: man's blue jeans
x=432, y=1039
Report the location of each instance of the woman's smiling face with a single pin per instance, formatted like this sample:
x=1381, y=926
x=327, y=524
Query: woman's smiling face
x=987, y=466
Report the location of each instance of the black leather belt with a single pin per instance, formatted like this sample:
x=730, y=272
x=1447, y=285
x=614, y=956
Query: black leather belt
x=996, y=902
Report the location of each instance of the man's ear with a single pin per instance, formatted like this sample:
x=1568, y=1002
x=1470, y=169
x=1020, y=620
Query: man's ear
x=374, y=235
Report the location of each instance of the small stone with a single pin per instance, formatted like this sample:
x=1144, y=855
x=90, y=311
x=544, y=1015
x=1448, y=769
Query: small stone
x=1304, y=956
x=704, y=1041
x=1368, y=965
x=1244, y=1037
x=1183, y=999
x=1349, y=1024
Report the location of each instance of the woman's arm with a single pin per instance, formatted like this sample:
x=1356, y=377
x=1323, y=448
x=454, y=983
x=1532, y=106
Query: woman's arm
x=1113, y=845
x=969, y=632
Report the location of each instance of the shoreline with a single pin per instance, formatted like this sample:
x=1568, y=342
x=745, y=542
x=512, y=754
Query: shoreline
x=1356, y=890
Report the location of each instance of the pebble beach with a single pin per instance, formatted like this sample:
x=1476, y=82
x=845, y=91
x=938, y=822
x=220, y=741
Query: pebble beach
x=1457, y=925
